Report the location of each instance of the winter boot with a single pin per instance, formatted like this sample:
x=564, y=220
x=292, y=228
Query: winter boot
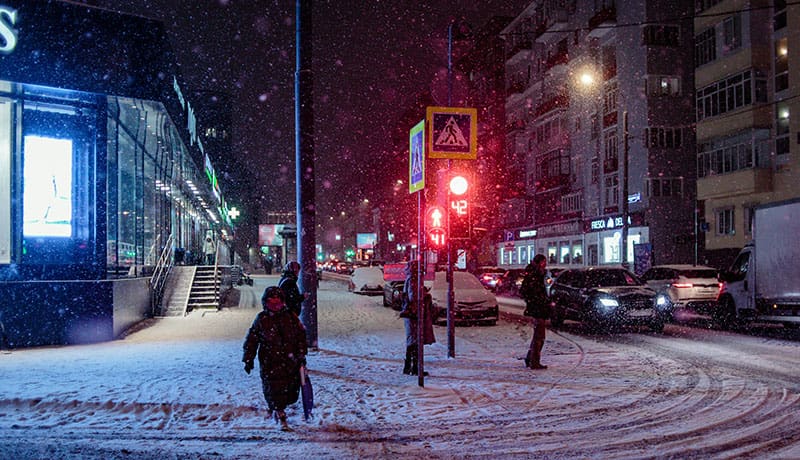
x=407, y=364
x=415, y=362
x=281, y=417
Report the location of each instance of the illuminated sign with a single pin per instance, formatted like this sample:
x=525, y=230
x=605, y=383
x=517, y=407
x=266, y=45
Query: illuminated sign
x=47, y=187
x=435, y=217
x=437, y=238
x=366, y=240
x=527, y=233
x=8, y=34
x=416, y=158
x=607, y=223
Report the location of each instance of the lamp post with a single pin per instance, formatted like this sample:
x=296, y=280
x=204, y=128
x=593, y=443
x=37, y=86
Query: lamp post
x=624, y=255
x=586, y=79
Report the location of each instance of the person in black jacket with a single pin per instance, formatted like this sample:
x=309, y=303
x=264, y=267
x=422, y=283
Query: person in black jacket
x=410, y=319
x=288, y=282
x=537, y=306
x=279, y=339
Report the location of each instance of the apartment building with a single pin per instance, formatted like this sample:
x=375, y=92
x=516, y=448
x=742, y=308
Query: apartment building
x=600, y=124
x=746, y=78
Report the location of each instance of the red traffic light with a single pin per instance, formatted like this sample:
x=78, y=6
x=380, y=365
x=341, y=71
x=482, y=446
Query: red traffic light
x=437, y=238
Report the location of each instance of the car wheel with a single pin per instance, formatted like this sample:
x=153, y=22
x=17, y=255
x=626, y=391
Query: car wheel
x=725, y=314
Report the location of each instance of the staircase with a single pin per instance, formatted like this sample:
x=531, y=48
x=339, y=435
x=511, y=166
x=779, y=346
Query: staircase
x=176, y=291
x=205, y=288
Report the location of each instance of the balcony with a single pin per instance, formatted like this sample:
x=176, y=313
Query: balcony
x=558, y=59
x=743, y=182
x=520, y=44
x=605, y=17
x=516, y=85
x=556, y=102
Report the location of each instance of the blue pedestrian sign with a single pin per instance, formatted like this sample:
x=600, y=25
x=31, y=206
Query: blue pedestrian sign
x=416, y=158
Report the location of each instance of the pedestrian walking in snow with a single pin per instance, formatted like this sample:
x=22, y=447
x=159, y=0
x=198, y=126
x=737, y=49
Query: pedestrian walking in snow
x=410, y=319
x=288, y=282
x=210, y=250
x=278, y=338
x=537, y=306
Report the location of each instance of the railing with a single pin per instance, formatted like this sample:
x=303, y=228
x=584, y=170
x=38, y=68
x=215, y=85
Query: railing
x=160, y=273
x=216, y=275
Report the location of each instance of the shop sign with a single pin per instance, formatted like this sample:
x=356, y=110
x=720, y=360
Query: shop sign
x=607, y=223
x=8, y=34
x=566, y=228
x=527, y=234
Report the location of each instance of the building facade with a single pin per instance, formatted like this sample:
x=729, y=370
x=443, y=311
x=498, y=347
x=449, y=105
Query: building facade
x=102, y=167
x=600, y=126
x=747, y=74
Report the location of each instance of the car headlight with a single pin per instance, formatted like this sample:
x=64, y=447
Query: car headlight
x=662, y=301
x=607, y=304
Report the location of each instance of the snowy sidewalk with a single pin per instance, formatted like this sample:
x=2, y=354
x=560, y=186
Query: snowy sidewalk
x=175, y=388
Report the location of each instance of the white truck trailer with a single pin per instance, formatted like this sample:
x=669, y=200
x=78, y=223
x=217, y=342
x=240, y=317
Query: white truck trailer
x=763, y=283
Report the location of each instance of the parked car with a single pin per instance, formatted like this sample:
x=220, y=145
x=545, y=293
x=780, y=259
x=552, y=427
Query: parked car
x=392, y=294
x=509, y=283
x=605, y=298
x=472, y=302
x=344, y=268
x=550, y=277
x=691, y=289
x=488, y=276
x=366, y=280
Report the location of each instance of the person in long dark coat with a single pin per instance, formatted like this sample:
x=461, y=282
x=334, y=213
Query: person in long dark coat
x=288, y=282
x=410, y=319
x=279, y=339
x=537, y=306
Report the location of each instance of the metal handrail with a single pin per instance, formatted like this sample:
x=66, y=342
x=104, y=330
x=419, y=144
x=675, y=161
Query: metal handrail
x=160, y=273
x=216, y=276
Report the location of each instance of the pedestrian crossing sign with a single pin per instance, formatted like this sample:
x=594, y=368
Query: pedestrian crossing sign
x=453, y=132
x=416, y=158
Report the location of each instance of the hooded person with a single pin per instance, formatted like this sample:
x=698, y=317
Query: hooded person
x=537, y=306
x=278, y=339
x=288, y=282
x=410, y=318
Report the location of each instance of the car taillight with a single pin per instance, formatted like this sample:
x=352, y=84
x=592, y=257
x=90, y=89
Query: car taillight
x=487, y=277
x=682, y=285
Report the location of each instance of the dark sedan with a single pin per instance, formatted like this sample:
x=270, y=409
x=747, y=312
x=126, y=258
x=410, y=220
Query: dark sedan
x=392, y=294
x=605, y=298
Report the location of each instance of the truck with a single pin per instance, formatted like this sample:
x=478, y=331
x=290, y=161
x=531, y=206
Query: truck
x=763, y=282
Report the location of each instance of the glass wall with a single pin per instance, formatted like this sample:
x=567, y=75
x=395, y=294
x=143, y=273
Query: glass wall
x=153, y=190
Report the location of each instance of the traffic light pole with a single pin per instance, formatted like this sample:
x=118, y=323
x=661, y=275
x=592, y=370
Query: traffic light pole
x=420, y=294
x=451, y=329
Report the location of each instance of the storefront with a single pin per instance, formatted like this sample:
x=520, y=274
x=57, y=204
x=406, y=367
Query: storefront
x=101, y=168
x=575, y=243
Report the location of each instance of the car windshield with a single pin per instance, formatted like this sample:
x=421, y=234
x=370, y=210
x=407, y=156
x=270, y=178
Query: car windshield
x=608, y=278
x=368, y=275
x=699, y=273
x=461, y=280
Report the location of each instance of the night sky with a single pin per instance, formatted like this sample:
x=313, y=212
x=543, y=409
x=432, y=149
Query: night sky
x=371, y=59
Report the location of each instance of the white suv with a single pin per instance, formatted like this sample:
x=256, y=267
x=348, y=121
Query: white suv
x=692, y=289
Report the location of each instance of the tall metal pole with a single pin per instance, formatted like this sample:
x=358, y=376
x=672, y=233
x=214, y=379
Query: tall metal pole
x=624, y=255
x=304, y=173
x=420, y=294
x=451, y=330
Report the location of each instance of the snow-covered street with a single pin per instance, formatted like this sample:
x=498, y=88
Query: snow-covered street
x=175, y=388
